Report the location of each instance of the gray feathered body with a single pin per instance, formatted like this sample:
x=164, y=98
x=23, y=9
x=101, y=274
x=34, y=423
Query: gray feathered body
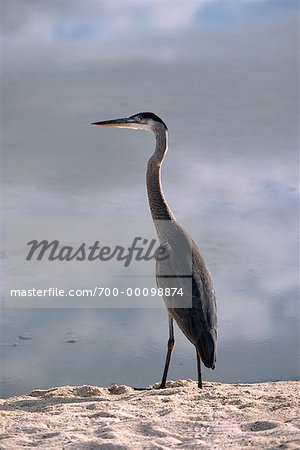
x=195, y=312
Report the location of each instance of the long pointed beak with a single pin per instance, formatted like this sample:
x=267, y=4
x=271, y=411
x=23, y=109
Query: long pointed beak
x=121, y=123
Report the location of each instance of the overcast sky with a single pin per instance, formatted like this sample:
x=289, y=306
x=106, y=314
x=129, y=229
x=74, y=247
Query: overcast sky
x=127, y=27
x=222, y=74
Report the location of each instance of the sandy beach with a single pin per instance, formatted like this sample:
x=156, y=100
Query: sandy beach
x=221, y=416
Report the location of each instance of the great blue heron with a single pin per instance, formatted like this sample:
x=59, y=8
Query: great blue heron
x=196, y=313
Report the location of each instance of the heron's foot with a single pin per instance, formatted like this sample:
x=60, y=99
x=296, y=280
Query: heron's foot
x=200, y=386
x=162, y=386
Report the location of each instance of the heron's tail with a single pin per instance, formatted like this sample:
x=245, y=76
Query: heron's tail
x=207, y=346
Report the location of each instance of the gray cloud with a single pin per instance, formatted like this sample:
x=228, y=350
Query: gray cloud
x=45, y=20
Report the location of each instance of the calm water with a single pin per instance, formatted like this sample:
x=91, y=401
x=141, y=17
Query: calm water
x=230, y=177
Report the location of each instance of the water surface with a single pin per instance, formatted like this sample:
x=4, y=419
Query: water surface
x=229, y=97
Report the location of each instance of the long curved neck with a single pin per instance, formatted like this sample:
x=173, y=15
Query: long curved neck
x=159, y=207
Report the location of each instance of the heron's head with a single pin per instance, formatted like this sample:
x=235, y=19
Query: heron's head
x=141, y=121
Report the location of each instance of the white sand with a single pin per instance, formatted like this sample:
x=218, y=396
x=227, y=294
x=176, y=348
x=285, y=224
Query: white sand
x=221, y=416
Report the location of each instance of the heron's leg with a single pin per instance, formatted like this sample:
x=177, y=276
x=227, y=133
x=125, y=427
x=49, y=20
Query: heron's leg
x=171, y=345
x=199, y=370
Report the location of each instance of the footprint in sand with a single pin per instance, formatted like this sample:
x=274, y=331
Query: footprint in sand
x=258, y=426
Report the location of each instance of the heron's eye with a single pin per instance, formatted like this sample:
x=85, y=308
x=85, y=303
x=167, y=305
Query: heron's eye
x=138, y=119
